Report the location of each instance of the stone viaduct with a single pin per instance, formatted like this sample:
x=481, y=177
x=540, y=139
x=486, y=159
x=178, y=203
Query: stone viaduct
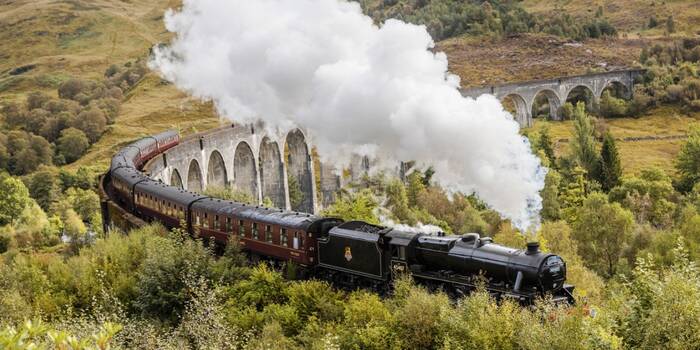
x=250, y=159
x=557, y=91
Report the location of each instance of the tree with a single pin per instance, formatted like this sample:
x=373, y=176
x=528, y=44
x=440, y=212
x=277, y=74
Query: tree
x=37, y=99
x=92, y=122
x=574, y=194
x=602, y=230
x=359, y=206
x=296, y=195
x=70, y=88
x=72, y=144
x=583, y=147
x=650, y=196
x=551, y=208
x=44, y=187
x=688, y=161
x=545, y=144
x=670, y=25
x=611, y=169
x=612, y=107
x=14, y=198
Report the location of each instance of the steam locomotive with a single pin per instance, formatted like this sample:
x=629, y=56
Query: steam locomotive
x=349, y=254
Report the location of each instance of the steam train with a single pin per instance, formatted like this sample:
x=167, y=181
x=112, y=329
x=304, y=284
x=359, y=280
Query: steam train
x=349, y=254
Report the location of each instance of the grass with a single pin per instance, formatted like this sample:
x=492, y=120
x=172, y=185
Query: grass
x=152, y=107
x=635, y=155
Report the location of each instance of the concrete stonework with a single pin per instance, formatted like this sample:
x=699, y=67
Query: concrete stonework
x=556, y=91
x=251, y=159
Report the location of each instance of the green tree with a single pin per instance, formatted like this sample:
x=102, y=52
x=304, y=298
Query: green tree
x=583, y=146
x=14, y=198
x=545, y=144
x=551, y=207
x=602, y=230
x=611, y=168
x=72, y=144
x=296, y=195
x=612, y=107
x=44, y=187
x=688, y=161
x=574, y=194
x=650, y=196
x=357, y=206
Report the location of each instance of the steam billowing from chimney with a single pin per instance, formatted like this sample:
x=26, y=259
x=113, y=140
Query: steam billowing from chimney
x=324, y=66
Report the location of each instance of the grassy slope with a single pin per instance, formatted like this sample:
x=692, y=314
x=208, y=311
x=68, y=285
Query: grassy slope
x=630, y=16
x=81, y=38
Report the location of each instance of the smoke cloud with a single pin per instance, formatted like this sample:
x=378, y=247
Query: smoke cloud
x=324, y=66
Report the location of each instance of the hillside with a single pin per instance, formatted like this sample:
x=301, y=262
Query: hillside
x=46, y=42
x=630, y=16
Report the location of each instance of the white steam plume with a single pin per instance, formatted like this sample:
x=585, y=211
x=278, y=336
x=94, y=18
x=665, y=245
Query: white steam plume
x=324, y=66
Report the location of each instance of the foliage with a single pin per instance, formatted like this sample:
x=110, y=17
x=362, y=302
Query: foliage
x=72, y=144
x=545, y=144
x=14, y=198
x=583, y=146
x=36, y=335
x=450, y=18
x=296, y=195
x=612, y=107
x=551, y=206
x=650, y=196
x=602, y=230
x=354, y=206
x=688, y=161
x=610, y=165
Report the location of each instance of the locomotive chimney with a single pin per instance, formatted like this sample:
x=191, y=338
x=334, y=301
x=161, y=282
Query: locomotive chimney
x=533, y=248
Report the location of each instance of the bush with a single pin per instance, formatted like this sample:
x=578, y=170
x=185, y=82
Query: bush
x=72, y=144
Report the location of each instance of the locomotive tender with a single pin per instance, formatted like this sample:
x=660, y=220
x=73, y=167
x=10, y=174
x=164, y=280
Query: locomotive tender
x=349, y=254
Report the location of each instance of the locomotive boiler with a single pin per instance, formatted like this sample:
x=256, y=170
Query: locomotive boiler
x=349, y=254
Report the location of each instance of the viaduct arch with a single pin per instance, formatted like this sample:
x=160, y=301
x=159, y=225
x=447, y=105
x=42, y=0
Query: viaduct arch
x=251, y=159
x=557, y=91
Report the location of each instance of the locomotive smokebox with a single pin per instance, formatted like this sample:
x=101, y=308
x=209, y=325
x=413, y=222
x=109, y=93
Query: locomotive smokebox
x=533, y=248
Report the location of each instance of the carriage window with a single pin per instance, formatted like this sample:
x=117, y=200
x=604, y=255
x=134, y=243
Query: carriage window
x=268, y=233
x=216, y=222
x=241, y=228
x=283, y=237
x=228, y=224
x=295, y=241
x=196, y=219
x=255, y=231
x=205, y=222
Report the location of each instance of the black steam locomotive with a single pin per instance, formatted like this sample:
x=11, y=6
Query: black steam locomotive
x=350, y=254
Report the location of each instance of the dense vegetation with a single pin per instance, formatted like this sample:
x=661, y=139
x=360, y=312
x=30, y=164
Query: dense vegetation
x=449, y=18
x=631, y=245
x=46, y=130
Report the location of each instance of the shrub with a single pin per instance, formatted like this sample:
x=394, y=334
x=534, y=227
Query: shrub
x=72, y=144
